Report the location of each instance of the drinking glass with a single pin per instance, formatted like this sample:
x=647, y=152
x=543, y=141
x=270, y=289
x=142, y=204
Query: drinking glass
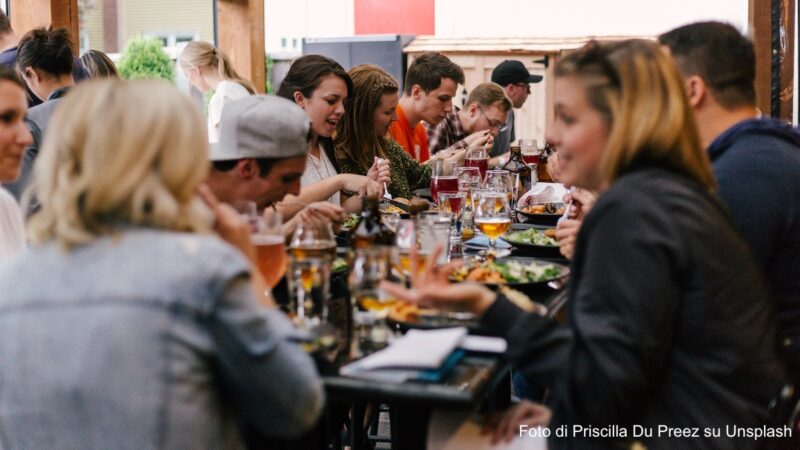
x=492, y=216
x=530, y=156
x=312, y=250
x=478, y=157
x=433, y=230
x=371, y=266
x=500, y=181
x=267, y=238
x=452, y=204
x=443, y=178
x=405, y=241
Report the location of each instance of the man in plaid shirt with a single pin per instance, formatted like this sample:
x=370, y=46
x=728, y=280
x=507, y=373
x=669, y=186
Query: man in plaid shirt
x=476, y=124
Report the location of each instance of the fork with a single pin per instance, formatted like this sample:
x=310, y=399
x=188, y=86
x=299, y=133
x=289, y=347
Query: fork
x=386, y=193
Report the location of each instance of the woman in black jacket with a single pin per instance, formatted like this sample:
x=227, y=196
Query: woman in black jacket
x=669, y=325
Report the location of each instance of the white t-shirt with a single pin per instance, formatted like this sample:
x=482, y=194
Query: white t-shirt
x=318, y=169
x=12, y=227
x=227, y=91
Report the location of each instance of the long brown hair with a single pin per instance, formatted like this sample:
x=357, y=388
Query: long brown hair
x=199, y=54
x=355, y=137
x=641, y=94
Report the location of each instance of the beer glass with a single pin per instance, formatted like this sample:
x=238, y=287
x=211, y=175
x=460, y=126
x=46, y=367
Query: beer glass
x=267, y=238
x=312, y=249
x=492, y=216
x=443, y=178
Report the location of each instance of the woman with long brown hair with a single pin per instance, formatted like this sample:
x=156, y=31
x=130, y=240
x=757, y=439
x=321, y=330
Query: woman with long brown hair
x=362, y=136
x=669, y=322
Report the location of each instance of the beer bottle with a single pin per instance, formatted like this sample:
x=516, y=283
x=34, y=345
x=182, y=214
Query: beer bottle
x=370, y=230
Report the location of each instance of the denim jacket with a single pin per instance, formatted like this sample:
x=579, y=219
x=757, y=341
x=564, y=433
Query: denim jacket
x=147, y=339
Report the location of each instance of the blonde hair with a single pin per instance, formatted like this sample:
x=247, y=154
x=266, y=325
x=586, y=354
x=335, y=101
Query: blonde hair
x=641, y=93
x=489, y=94
x=355, y=137
x=200, y=54
x=132, y=156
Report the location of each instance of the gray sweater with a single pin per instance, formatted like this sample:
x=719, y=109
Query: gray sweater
x=151, y=339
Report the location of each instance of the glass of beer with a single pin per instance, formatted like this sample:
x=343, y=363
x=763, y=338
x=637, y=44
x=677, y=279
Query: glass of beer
x=492, y=216
x=312, y=249
x=267, y=238
x=371, y=266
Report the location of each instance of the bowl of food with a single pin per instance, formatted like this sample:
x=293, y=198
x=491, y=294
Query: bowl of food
x=519, y=273
x=543, y=213
x=536, y=241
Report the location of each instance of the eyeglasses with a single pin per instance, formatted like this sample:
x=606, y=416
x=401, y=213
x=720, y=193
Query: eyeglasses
x=493, y=124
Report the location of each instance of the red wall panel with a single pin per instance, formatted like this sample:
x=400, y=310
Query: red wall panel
x=394, y=17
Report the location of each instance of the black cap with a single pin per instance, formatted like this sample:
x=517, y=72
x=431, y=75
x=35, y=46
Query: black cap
x=512, y=71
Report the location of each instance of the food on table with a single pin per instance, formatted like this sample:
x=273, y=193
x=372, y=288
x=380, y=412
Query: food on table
x=545, y=208
x=533, y=236
x=351, y=221
x=501, y=272
x=391, y=209
x=418, y=204
x=403, y=311
x=339, y=265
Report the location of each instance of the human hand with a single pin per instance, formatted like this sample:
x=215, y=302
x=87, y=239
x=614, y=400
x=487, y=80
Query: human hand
x=430, y=286
x=380, y=171
x=458, y=157
x=479, y=139
x=566, y=236
x=505, y=427
x=228, y=224
x=361, y=184
x=582, y=202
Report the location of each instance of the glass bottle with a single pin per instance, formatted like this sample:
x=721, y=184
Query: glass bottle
x=371, y=230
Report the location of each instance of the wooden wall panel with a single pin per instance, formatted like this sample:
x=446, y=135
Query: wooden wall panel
x=240, y=30
x=26, y=15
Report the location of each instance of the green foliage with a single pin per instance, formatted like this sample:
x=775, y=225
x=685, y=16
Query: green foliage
x=145, y=58
x=268, y=72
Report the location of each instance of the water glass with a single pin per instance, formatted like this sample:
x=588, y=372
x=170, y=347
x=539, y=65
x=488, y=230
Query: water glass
x=312, y=250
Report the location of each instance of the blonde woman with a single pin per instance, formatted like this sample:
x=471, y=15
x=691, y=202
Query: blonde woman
x=129, y=322
x=669, y=322
x=208, y=69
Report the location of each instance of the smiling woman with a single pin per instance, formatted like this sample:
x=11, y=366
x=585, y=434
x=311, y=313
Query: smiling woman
x=321, y=87
x=362, y=134
x=14, y=137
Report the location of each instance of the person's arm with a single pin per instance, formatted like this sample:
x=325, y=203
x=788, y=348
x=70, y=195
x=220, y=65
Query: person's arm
x=617, y=344
x=417, y=175
x=274, y=383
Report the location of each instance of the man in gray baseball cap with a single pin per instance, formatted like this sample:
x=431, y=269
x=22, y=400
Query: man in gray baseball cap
x=261, y=155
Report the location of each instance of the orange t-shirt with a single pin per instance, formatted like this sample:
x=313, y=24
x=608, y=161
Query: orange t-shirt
x=414, y=141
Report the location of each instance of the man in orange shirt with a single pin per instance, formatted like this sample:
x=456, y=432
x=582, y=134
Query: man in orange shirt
x=428, y=92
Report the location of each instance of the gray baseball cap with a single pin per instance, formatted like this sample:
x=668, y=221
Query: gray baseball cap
x=262, y=126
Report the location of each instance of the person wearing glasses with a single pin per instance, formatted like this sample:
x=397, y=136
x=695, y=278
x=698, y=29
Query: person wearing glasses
x=477, y=124
x=516, y=81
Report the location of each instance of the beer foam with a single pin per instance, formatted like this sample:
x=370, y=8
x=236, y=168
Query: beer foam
x=266, y=239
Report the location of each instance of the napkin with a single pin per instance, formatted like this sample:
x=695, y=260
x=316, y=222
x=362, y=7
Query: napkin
x=483, y=242
x=543, y=193
x=405, y=358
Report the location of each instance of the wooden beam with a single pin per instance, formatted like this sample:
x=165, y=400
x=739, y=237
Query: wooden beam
x=761, y=32
x=26, y=15
x=240, y=30
x=786, y=53
x=774, y=35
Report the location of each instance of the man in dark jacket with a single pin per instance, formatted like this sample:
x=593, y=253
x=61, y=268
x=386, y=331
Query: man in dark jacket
x=9, y=42
x=756, y=160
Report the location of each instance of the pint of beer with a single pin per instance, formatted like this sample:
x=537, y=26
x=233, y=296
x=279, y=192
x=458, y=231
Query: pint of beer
x=267, y=238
